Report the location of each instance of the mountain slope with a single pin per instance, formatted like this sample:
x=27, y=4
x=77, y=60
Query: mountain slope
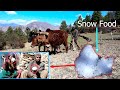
x=39, y=25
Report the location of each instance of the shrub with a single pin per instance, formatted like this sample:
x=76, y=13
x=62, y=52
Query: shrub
x=14, y=41
x=2, y=40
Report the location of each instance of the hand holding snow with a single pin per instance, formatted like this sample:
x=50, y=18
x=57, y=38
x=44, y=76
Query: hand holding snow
x=89, y=64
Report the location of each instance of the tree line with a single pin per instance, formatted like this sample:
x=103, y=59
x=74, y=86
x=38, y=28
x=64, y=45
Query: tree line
x=95, y=17
x=14, y=38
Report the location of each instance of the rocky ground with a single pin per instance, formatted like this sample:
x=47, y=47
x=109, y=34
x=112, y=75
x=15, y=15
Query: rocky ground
x=62, y=59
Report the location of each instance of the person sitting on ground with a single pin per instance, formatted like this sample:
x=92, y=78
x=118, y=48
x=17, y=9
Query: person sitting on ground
x=9, y=67
x=36, y=69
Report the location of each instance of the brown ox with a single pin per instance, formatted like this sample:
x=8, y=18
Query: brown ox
x=37, y=41
x=53, y=37
x=33, y=37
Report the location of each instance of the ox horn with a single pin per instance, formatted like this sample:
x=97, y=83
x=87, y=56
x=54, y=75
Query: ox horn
x=45, y=33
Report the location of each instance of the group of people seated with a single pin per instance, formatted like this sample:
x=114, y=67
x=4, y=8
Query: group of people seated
x=35, y=69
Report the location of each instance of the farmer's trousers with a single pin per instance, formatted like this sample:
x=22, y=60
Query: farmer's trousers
x=28, y=74
x=74, y=41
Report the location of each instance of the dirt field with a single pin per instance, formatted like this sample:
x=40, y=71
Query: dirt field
x=106, y=47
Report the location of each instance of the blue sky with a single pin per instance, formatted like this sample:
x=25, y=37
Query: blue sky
x=52, y=17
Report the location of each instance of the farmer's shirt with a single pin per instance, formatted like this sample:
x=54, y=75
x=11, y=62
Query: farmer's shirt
x=41, y=66
x=75, y=33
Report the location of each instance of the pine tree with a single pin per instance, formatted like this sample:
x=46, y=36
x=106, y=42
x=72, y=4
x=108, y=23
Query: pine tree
x=96, y=16
x=2, y=40
x=63, y=25
x=109, y=17
x=9, y=30
x=9, y=33
x=27, y=31
x=87, y=18
x=117, y=17
x=20, y=34
x=19, y=31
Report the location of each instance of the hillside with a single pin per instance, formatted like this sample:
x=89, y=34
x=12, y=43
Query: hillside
x=39, y=25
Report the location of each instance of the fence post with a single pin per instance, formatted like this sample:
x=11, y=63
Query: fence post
x=112, y=35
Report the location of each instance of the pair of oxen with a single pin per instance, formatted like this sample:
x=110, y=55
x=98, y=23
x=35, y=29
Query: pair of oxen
x=53, y=38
